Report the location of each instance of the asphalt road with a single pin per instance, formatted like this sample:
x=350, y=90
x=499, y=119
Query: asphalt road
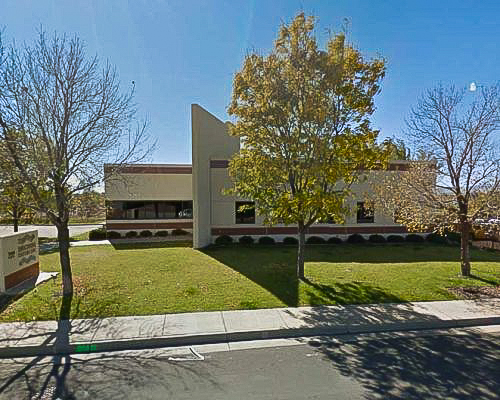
x=463, y=366
x=49, y=230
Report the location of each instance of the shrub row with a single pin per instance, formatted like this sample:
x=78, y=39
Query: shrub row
x=101, y=234
x=354, y=238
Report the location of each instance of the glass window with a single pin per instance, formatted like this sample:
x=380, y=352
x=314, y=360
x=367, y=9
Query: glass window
x=168, y=209
x=114, y=210
x=149, y=209
x=246, y=215
x=187, y=209
x=131, y=209
x=365, y=213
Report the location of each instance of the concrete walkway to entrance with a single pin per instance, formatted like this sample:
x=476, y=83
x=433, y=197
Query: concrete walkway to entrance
x=50, y=231
x=139, y=332
x=124, y=241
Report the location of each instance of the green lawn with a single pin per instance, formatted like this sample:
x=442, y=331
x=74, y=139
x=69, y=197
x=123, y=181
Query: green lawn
x=138, y=280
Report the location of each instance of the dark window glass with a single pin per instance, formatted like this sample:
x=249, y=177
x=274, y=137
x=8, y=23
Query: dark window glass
x=149, y=209
x=132, y=209
x=169, y=209
x=246, y=216
x=365, y=213
x=187, y=209
x=114, y=210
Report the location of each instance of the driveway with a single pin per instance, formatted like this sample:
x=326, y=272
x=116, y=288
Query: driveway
x=49, y=230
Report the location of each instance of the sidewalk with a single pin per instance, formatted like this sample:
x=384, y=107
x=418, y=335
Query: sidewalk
x=139, y=332
x=80, y=243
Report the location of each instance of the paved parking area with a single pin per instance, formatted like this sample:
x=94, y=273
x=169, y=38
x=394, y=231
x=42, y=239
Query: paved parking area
x=49, y=230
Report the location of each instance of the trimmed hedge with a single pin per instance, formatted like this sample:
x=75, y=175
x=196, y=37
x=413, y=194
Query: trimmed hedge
x=436, y=238
x=97, y=234
x=395, y=239
x=146, y=234
x=266, y=240
x=246, y=240
x=180, y=232
x=377, y=239
x=315, y=240
x=131, y=234
x=290, y=240
x=161, y=233
x=412, y=238
x=356, y=238
x=224, y=239
x=113, y=235
x=334, y=240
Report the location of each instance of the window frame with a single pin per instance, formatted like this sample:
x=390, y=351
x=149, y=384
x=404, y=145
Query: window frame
x=364, y=219
x=237, y=205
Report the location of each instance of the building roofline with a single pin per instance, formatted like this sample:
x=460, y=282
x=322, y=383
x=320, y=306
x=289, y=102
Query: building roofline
x=186, y=169
x=149, y=165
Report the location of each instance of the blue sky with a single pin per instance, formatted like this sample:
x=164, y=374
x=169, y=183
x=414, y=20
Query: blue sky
x=182, y=52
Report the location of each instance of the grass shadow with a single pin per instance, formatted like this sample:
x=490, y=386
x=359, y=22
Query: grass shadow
x=7, y=300
x=17, y=292
x=273, y=268
x=347, y=293
x=394, y=253
x=488, y=281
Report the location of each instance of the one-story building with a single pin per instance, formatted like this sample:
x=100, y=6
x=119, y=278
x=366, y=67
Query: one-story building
x=182, y=196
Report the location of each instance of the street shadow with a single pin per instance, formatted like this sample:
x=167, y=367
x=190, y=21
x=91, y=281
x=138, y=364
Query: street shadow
x=116, y=375
x=58, y=340
x=274, y=269
x=63, y=375
x=464, y=366
x=374, y=317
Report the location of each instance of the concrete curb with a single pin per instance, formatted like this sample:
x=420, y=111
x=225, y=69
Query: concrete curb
x=227, y=337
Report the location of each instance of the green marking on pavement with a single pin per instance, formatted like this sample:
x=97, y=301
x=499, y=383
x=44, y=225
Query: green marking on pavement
x=85, y=348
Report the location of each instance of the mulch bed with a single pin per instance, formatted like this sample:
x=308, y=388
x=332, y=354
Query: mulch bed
x=476, y=292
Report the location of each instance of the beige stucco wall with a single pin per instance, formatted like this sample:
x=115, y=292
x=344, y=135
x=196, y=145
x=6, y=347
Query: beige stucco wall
x=211, y=141
x=150, y=187
x=223, y=207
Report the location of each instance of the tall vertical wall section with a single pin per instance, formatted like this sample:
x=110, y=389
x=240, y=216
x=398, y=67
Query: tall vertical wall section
x=210, y=141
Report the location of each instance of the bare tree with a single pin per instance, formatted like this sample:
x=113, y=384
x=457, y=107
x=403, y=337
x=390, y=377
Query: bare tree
x=458, y=132
x=74, y=119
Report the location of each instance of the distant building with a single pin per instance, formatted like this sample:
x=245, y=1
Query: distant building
x=171, y=196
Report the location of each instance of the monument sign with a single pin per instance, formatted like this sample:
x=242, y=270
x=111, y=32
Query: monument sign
x=18, y=258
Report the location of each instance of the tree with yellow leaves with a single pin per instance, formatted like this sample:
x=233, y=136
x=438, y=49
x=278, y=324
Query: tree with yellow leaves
x=302, y=116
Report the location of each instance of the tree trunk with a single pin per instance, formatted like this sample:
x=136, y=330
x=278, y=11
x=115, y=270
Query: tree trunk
x=63, y=239
x=464, y=249
x=300, y=252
